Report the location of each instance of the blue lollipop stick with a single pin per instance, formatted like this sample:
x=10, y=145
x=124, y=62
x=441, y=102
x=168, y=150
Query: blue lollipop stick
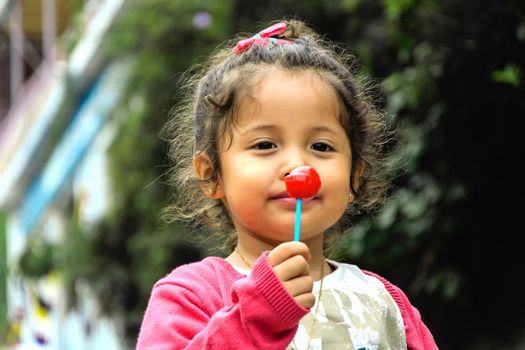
x=297, y=230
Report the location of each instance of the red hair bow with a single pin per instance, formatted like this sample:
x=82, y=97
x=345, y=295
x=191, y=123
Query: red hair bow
x=263, y=38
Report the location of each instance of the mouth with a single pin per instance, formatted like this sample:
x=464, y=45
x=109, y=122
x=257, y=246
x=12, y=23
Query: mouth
x=284, y=196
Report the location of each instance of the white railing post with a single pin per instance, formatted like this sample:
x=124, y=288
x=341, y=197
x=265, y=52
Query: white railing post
x=16, y=51
x=49, y=24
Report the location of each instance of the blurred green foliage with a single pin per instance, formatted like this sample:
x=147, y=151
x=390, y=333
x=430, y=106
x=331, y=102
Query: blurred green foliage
x=511, y=74
x=448, y=73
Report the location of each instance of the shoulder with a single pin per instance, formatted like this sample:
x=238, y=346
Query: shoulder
x=352, y=274
x=397, y=293
x=349, y=274
x=208, y=270
x=206, y=266
x=417, y=333
x=206, y=283
x=390, y=287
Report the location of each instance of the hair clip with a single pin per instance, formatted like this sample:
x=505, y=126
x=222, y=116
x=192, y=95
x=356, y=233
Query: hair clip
x=262, y=38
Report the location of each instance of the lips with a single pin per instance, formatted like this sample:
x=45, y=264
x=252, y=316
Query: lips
x=285, y=196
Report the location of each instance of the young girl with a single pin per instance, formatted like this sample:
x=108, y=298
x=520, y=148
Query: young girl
x=264, y=106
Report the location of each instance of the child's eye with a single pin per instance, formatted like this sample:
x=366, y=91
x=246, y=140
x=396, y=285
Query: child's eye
x=263, y=145
x=322, y=147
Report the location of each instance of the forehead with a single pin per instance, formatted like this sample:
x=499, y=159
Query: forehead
x=308, y=83
x=281, y=93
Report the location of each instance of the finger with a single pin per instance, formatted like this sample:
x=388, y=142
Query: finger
x=306, y=300
x=300, y=285
x=286, y=250
x=293, y=267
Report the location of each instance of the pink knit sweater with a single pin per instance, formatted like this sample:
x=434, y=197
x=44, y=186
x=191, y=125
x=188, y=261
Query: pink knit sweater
x=209, y=305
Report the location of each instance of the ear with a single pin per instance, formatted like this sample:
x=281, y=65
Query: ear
x=357, y=174
x=203, y=167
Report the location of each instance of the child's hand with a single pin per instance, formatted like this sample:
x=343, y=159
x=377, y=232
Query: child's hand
x=290, y=263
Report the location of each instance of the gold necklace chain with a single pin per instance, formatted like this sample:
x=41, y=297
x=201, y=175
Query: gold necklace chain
x=243, y=259
x=310, y=334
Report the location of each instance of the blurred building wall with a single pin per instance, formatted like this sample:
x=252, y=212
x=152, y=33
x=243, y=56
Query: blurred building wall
x=53, y=160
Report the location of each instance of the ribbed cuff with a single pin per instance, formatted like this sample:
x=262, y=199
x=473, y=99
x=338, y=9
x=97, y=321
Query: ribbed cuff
x=273, y=290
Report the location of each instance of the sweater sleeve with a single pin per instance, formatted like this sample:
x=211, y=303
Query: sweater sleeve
x=184, y=315
x=418, y=335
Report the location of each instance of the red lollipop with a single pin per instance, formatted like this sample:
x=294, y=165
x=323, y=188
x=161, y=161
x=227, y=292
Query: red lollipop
x=302, y=182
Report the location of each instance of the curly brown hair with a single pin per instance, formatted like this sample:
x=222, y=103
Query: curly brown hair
x=208, y=109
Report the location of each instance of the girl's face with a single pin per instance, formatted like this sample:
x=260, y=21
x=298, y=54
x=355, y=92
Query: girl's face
x=292, y=120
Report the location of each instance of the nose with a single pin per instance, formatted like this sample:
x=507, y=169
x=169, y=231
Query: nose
x=291, y=160
x=288, y=171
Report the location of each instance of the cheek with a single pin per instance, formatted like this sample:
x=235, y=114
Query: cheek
x=245, y=213
x=243, y=185
x=341, y=192
x=338, y=181
x=245, y=174
x=340, y=188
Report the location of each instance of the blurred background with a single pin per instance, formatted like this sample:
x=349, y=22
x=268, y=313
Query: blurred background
x=86, y=85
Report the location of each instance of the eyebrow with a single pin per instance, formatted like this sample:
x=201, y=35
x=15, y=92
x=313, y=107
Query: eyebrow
x=324, y=128
x=264, y=127
x=261, y=127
